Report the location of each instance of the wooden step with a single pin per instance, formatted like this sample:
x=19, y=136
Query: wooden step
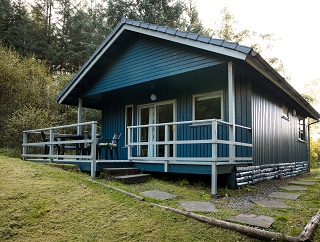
x=111, y=172
x=136, y=178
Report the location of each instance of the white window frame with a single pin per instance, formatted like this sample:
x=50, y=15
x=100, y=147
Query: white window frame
x=303, y=131
x=125, y=123
x=213, y=95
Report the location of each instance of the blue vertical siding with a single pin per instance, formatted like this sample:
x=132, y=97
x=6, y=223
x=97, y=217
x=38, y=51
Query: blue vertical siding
x=275, y=139
x=243, y=113
x=147, y=59
x=182, y=87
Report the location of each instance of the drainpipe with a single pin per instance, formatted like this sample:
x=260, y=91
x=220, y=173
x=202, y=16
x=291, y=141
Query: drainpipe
x=309, y=150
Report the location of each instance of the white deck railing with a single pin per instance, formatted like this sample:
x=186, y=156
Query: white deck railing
x=32, y=138
x=135, y=143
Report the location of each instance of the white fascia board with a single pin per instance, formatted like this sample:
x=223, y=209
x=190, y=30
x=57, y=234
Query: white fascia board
x=189, y=42
x=96, y=58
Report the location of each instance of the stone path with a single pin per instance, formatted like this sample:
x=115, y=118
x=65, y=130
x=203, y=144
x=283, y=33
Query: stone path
x=291, y=196
x=198, y=206
x=294, y=188
x=250, y=219
x=160, y=195
x=265, y=221
x=271, y=204
x=302, y=183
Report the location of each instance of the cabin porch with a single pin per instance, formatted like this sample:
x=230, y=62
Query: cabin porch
x=216, y=151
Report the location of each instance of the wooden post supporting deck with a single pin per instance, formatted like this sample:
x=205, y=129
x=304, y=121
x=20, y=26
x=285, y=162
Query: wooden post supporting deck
x=231, y=102
x=79, y=128
x=93, y=149
x=214, y=157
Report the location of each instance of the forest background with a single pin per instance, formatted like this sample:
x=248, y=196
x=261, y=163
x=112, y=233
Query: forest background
x=44, y=42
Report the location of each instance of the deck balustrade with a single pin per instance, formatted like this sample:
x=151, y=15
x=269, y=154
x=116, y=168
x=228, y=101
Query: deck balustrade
x=32, y=142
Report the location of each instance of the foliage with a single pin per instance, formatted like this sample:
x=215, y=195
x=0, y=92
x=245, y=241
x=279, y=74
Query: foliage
x=261, y=43
x=66, y=32
x=315, y=153
x=163, y=12
x=27, y=93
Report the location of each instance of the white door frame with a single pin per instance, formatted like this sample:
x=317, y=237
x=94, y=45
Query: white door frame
x=152, y=120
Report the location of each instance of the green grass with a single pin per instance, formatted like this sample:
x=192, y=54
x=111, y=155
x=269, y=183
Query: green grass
x=44, y=203
x=289, y=221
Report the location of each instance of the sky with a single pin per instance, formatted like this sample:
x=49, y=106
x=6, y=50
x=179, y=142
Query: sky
x=295, y=25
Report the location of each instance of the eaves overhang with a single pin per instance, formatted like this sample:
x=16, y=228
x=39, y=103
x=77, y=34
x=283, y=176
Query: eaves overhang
x=225, y=48
x=258, y=63
x=228, y=49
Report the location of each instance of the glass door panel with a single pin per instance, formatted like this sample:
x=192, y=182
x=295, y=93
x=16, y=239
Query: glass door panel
x=164, y=114
x=156, y=113
x=146, y=116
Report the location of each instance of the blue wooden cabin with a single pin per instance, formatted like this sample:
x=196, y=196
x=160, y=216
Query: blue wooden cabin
x=186, y=103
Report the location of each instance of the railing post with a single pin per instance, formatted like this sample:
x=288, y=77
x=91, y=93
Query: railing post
x=214, y=139
x=214, y=157
x=166, y=146
x=79, y=127
x=24, y=142
x=51, y=145
x=94, y=149
x=231, y=101
x=129, y=142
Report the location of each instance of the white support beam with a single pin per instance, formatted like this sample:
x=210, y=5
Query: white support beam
x=214, y=178
x=51, y=145
x=93, y=149
x=231, y=102
x=79, y=130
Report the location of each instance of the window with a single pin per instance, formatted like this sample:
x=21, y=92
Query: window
x=302, y=133
x=129, y=120
x=207, y=106
x=285, y=112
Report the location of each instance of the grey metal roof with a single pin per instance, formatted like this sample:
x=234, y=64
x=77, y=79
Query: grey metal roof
x=163, y=29
x=187, y=35
x=247, y=54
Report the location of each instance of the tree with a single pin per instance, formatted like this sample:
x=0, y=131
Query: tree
x=17, y=26
x=27, y=97
x=261, y=43
x=43, y=30
x=163, y=12
x=193, y=23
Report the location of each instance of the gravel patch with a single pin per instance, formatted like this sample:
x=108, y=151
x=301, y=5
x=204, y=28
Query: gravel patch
x=247, y=196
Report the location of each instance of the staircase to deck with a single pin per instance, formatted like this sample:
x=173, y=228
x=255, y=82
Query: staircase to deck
x=125, y=175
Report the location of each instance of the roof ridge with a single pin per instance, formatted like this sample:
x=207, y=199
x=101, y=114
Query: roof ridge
x=188, y=35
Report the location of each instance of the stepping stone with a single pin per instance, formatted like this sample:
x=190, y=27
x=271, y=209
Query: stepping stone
x=198, y=206
x=158, y=194
x=291, y=196
x=271, y=204
x=294, y=188
x=302, y=183
x=252, y=219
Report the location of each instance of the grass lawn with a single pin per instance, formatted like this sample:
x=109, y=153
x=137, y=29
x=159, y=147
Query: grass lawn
x=44, y=203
